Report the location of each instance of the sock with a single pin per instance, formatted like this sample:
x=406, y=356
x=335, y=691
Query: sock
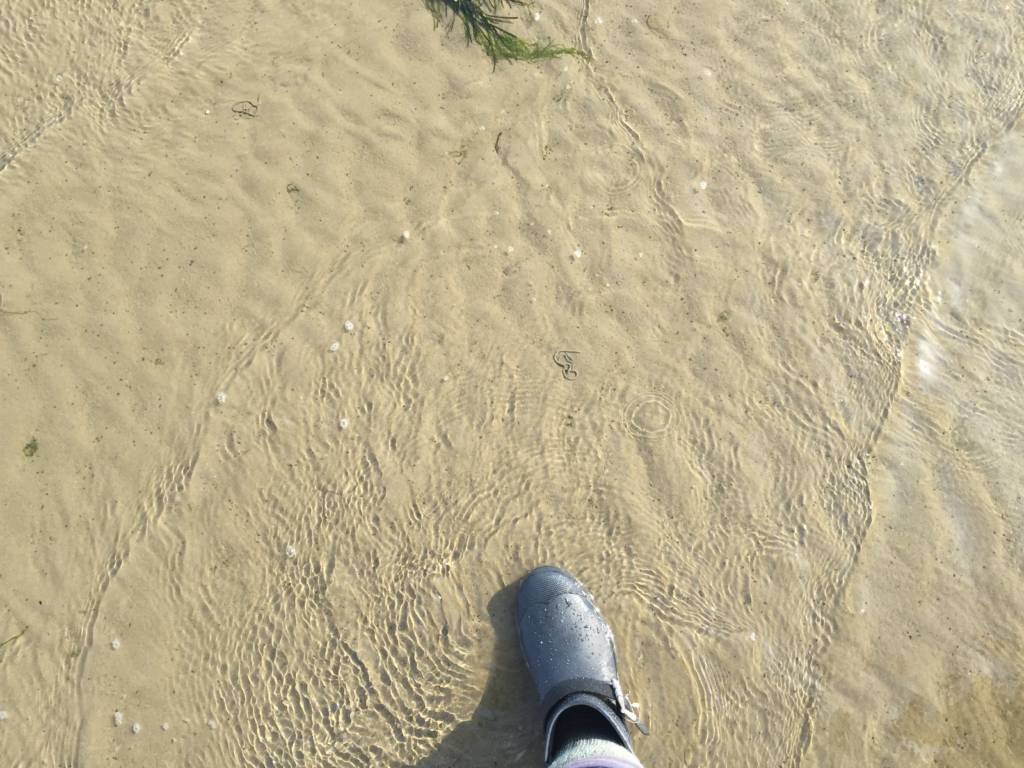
x=584, y=739
x=594, y=753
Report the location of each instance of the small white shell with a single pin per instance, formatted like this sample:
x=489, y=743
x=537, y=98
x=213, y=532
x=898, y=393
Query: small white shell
x=212, y=724
x=577, y=254
x=136, y=728
x=536, y=15
x=165, y=726
x=349, y=326
x=334, y=347
x=290, y=551
x=115, y=643
x=3, y=715
x=703, y=184
x=221, y=398
x=342, y=423
x=118, y=719
x=406, y=236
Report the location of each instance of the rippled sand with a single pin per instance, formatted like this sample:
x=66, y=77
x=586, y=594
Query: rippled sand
x=780, y=239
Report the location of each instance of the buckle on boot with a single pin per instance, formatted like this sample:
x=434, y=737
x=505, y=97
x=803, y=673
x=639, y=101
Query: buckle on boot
x=628, y=709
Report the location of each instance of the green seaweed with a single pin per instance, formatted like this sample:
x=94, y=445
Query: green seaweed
x=485, y=24
x=30, y=450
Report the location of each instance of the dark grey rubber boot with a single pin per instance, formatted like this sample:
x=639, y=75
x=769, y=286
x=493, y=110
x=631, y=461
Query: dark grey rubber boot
x=570, y=652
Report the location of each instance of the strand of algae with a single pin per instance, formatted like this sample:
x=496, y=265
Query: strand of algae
x=10, y=640
x=485, y=22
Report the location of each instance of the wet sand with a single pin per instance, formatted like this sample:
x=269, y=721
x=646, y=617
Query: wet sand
x=781, y=243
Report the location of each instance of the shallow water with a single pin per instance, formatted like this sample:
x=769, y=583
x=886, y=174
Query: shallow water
x=787, y=465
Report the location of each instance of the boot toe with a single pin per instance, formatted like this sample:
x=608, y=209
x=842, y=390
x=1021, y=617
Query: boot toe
x=543, y=584
x=566, y=643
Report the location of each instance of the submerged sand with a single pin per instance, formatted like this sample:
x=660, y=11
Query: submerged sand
x=780, y=240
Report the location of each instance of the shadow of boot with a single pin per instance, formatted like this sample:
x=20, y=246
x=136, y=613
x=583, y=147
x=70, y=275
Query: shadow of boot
x=505, y=729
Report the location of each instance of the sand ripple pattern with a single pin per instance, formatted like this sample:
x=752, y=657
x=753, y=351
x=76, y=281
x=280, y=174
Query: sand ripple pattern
x=756, y=245
x=724, y=557
x=106, y=52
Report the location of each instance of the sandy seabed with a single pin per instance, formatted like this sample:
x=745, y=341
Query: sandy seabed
x=726, y=319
